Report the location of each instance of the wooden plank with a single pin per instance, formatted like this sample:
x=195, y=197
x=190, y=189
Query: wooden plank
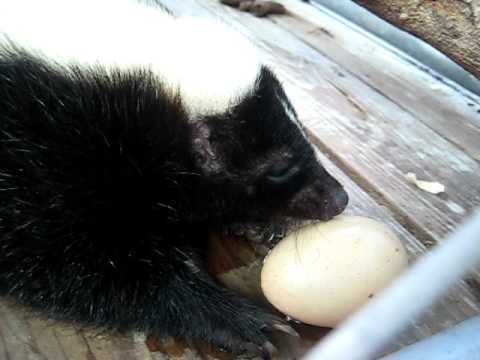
x=381, y=151
x=45, y=340
x=452, y=112
x=373, y=138
x=26, y=336
x=138, y=348
x=16, y=339
x=111, y=346
x=99, y=346
x=3, y=347
x=71, y=341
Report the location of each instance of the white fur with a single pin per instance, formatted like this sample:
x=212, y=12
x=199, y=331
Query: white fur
x=209, y=64
x=293, y=118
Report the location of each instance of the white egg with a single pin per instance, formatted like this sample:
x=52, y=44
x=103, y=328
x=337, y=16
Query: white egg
x=323, y=272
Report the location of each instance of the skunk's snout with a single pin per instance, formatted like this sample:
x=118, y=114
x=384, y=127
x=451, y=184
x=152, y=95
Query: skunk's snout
x=327, y=204
x=338, y=203
x=319, y=201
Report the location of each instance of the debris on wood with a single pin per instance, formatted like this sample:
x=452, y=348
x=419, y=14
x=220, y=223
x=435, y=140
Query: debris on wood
x=246, y=6
x=264, y=8
x=233, y=3
x=258, y=8
x=432, y=187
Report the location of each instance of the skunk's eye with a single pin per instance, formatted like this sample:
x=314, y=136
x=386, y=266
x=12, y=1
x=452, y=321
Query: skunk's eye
x=282, y=173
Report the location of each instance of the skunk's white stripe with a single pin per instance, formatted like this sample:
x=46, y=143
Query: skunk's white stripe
x=293, y=118
x=209, y=64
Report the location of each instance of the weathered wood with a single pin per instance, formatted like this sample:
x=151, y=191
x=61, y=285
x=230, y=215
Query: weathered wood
x=45, y=340
x=381, y=144
x=26, y=336
x=451, y=113
x=71, y=341
x=16, y=335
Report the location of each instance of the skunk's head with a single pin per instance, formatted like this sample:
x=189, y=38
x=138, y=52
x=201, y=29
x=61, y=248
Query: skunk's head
x=247, y=140
x=259, y=163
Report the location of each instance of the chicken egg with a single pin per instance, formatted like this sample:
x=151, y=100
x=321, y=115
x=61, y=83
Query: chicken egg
x=323, y=272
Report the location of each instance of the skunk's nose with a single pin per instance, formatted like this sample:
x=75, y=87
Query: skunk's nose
x=340, y=201
x=334, y=204
x=313, y=203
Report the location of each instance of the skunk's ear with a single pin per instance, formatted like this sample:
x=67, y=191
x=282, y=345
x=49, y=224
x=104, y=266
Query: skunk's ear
x=205, y=156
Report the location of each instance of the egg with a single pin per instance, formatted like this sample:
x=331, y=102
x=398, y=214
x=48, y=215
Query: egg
x=323, y=272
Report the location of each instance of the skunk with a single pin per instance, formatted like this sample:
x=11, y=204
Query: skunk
x=126, y=136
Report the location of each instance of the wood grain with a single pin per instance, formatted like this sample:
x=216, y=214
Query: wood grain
x=443, y=106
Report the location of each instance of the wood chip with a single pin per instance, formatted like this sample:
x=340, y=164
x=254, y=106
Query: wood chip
x=432, y=187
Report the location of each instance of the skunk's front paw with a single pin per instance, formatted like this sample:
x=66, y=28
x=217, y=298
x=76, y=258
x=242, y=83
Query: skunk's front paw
x=254, y=331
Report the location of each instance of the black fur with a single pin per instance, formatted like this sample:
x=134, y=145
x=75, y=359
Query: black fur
x=108, y=191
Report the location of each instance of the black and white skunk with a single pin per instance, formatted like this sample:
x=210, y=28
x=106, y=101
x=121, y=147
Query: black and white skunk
x=125, y=137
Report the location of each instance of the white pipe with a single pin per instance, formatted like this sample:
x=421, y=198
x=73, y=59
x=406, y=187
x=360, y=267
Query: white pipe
x=368, y=331
x=460, y=342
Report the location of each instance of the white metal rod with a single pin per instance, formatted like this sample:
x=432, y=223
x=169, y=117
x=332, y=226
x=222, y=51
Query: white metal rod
x=368, y=331
x=460, y=342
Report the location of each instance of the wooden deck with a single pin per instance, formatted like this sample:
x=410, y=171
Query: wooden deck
x=375, y=116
